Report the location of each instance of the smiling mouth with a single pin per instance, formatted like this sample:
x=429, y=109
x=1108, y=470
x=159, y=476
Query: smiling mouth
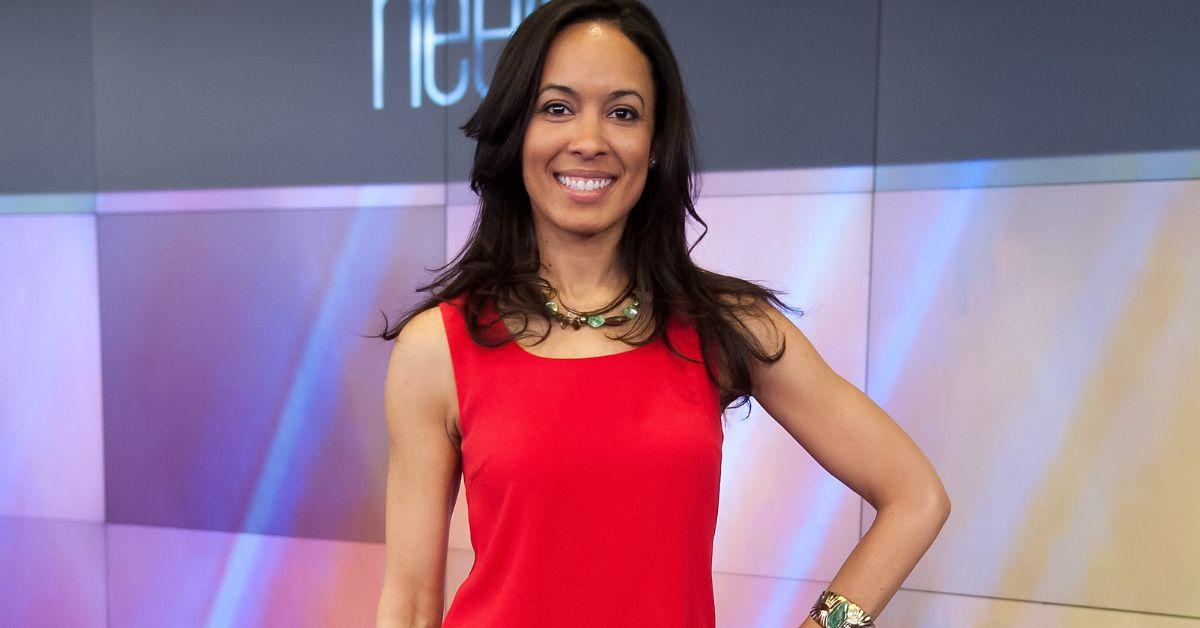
x=584, y=184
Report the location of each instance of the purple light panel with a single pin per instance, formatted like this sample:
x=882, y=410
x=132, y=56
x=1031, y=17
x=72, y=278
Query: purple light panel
x=238, y=395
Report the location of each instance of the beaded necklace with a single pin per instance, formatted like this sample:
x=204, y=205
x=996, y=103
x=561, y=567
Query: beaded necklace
x=593, y=318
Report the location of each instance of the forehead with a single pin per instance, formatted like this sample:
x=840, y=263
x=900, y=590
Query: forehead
x=596, y=58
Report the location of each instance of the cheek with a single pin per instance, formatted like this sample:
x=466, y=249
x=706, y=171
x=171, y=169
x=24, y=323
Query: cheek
x=539, y=146
x=533, y=164
x=636, y=157
x=635, y=151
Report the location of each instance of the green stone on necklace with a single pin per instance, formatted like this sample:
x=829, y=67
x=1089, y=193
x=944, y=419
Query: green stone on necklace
x=594, y=321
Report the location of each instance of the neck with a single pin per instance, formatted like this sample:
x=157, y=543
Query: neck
x=586, y=271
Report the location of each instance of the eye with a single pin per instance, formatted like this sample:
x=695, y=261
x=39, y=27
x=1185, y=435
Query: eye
x=552, y=108
x=630, y=114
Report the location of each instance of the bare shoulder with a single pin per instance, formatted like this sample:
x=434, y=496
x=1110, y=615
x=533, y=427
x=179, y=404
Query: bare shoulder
x=774, y=331
x=423, y=338
x=761, y=319
x=420, y=376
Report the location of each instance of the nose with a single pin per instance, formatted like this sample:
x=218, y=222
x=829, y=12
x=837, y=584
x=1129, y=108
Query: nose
x=588, y=140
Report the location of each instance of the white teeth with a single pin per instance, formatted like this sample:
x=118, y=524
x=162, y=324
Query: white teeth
x=583, y=185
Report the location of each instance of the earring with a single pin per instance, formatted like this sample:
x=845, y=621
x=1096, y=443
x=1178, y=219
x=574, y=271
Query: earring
x=653, y=161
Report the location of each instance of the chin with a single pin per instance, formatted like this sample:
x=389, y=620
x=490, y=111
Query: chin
x=581, y=221
x=586, y=226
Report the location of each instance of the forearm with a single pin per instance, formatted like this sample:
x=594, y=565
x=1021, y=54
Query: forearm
x=882, y=560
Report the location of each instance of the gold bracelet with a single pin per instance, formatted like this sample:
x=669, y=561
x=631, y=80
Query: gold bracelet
x=833, y=610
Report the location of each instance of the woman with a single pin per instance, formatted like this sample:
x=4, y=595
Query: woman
x=592, y=468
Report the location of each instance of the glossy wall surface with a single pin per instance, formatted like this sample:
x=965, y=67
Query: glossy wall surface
x=989, y=212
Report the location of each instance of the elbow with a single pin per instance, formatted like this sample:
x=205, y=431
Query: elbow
x=930, y=500
x=929, y=509
x=942, y=504
x=935, y=501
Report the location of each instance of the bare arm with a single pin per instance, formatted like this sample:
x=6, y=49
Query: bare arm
x=859, y=444
x=423, y=474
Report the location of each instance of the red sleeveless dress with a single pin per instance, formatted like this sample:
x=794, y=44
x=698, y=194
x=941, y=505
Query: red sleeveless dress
x=591, y=484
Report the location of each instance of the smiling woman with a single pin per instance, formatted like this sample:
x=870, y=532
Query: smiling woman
x=592, y=470
x=585, y=168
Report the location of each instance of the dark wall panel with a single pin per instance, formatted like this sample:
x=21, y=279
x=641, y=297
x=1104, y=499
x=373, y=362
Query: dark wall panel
x=778, y=84
x=233, y=93
x=980, y=79
x=46, y=134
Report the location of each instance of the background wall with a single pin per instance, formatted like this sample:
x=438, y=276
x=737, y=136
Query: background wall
x=990, y=211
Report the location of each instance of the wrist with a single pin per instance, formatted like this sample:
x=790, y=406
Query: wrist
x=834, y=610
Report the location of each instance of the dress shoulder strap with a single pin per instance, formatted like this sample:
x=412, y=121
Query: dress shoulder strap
x=463, y=349
x=475, y=366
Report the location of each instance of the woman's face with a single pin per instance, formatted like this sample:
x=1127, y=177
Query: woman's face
x=586, y=152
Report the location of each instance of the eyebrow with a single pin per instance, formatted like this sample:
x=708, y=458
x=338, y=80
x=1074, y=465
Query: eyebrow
x=574, y=94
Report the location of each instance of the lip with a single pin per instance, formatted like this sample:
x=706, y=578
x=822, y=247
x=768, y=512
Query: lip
x=589, y=196
x=586, y=174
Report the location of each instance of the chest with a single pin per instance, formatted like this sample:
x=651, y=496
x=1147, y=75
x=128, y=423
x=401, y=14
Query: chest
x=554, y=341
x=637, y=414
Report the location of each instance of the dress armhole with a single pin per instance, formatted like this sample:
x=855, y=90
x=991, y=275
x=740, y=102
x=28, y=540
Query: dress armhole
x=452, y=322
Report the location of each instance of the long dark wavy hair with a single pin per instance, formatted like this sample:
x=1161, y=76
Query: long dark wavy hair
x=500, y=260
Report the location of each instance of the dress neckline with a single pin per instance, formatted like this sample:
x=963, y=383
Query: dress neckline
x=518, y=347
